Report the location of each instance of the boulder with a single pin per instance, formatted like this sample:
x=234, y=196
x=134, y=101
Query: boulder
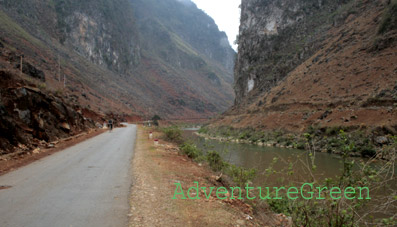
x=32, y=71
x=36, y=151
x=24, y=115
x=65, y=126
x=381, y=140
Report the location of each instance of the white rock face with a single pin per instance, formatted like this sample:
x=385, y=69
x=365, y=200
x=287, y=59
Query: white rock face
x=271, y=27
x=275, y=36
x=93, y=37
x=251, y=85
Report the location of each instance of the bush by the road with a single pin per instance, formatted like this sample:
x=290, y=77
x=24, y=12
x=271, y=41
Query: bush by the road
x=173, y=134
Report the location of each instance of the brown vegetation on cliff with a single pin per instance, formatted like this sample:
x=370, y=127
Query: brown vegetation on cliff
x=350, y=81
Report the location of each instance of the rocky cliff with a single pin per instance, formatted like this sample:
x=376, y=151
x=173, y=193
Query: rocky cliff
x=132, y=56
x=101, y=31
x=316, y=63
x=277, y=36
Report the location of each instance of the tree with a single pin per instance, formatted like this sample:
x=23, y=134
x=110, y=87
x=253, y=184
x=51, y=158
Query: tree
x=156, y=119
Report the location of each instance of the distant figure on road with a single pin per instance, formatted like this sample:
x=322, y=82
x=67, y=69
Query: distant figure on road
x=110, y=125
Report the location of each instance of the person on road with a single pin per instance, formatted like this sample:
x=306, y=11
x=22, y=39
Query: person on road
x=110, y=125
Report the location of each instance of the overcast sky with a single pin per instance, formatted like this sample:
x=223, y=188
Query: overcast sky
x=226, y=14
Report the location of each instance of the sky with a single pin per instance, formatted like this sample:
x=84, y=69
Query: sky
x=226, y=14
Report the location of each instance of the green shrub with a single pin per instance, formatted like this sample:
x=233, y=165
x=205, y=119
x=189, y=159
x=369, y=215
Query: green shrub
x=203, y=130
x=225, y=131
x=244, y=135
x=332, y=131
x=280, y=206
x=191, y=150
x=215, y=161
x=339, y=212
x=173, y=134
x=334, y=142
x=299, y=145
x=240, y=175
x=156, y=118
x=257, y=136
x=42, y=86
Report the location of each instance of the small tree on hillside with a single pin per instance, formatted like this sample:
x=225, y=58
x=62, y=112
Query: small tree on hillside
x=156, y=119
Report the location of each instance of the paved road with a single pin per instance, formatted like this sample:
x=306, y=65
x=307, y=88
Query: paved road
x=85, y=185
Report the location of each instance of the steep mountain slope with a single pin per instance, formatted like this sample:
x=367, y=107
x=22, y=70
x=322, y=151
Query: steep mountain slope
x=116, y=57
x=190, y=60
x=323, y=63
x=184, y=23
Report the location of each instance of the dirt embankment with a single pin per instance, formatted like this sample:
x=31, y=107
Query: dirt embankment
x=35, y=122
x=31, y=116
x=156, y=169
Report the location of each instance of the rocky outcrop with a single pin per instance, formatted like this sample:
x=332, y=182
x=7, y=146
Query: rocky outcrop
x=32, y=71
x=277, y=36
x=101, y=31
x=324, y=64
x=27, y=68
x=29, y=116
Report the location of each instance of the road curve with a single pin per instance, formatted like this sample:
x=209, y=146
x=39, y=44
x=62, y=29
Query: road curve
x=85, y=185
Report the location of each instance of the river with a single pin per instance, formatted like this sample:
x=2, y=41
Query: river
x=261, y=158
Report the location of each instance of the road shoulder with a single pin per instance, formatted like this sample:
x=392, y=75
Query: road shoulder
x=18, y=160
x=155, y=170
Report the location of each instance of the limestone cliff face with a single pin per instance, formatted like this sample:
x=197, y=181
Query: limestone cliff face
x=316, y=63
x=275, y=37
x=101, y=31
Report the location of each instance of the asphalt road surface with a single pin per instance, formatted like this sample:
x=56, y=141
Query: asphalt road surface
x=85, y=185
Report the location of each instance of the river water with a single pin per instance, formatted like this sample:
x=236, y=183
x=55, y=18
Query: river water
x=261, y=158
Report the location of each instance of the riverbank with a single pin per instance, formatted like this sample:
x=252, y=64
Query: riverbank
x=288, y=168
x=379, y=143
x=242, y=141
x=156, y=169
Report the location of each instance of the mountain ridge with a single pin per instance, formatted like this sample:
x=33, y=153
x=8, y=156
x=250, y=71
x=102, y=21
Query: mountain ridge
x=89, y=40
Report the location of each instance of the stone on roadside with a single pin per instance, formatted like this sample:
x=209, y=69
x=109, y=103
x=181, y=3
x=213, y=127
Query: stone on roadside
x=65, y=126
x=36, y=151
x=381, y=140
